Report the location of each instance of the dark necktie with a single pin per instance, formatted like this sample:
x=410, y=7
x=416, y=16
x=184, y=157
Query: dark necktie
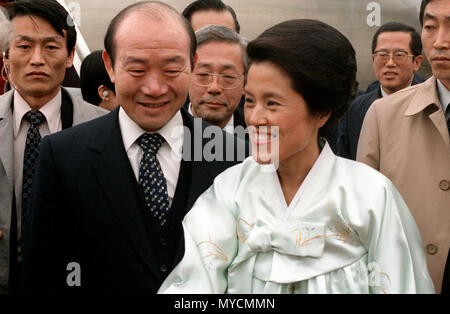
x=30, y=158
x=151, y=177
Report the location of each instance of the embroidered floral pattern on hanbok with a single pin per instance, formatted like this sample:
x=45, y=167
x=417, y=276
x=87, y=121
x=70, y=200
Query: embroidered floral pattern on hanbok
x=213, y=251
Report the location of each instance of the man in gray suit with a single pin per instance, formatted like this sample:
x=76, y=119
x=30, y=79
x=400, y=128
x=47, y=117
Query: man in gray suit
x=41, y=48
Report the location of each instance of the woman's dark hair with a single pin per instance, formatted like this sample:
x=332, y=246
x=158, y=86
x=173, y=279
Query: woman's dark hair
x=52, y=12
x=319, y=61
x=92, y=75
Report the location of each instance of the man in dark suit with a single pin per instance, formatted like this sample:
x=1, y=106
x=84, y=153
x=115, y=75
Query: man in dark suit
x=41, y=49
x=111, y=194
x=396, y=53
x=218, y=78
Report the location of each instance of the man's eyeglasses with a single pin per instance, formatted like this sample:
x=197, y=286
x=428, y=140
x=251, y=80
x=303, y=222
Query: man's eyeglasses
x=225, y=81
x=397, y=56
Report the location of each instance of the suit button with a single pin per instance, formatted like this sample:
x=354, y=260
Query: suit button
x=1, y=234
x=163, y=268
x=444, y=185
x=162, y=242
x=432, y=249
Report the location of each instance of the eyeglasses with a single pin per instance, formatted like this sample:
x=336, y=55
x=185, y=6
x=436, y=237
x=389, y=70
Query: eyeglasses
x=225, y=81
x=397, y=56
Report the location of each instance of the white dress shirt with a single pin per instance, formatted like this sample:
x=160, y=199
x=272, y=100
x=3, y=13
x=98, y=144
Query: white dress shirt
x=229, y=127
x=51, y=124
x=169, y=154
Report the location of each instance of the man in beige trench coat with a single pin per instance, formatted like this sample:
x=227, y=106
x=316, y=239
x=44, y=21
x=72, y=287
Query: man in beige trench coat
x=406, y=137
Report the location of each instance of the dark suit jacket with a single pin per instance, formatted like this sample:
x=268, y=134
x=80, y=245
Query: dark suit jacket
x=350, y=125
x=239, y=119
x=87, y=208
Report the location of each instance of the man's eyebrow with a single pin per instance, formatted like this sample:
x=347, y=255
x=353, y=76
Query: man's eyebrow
x=429, y=16
x=129, y=60
x=222, y=67
x=45, y=39
x=174, y=59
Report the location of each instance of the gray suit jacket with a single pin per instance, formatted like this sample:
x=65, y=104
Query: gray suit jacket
x=82, y=112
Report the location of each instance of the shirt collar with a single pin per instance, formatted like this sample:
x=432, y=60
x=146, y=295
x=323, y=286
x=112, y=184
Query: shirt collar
x=51, y=110
x=229, y=127
x=444, y=95
x=172, y=131
x=384, y=94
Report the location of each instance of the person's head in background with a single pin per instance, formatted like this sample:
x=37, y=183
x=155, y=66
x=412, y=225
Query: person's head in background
x=41, y=49
x=96, y=86
x=219, y=74
x=5, y=31
x=5, y=37
x=396, y=54
x=202, y=13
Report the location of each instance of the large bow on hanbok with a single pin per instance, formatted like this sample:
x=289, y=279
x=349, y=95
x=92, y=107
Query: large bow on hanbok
x=278, y=250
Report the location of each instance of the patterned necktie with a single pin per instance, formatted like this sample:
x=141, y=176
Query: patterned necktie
x=151, y=177
x=30, y=158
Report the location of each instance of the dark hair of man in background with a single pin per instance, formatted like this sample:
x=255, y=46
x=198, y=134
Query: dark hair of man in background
x=92, y=75
x=415, y=43
x=52, y=12
x=214, y=5
x=423, y=5
x=112, y=28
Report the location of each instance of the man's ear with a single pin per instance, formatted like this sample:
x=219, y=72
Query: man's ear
x=417, y=62
x=104, y=92
x=108, y=65
x=69, y=61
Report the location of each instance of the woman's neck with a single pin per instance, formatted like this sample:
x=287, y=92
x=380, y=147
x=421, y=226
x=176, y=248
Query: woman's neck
x=293, y=171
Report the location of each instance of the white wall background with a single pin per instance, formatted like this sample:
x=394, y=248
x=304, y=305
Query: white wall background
x=357, y=19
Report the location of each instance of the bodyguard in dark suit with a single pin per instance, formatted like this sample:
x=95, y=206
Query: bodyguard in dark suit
x=396, y=53
x=110, y=194
x=41, y=49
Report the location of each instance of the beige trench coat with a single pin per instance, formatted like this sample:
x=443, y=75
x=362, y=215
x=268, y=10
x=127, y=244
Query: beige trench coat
x=405, y=137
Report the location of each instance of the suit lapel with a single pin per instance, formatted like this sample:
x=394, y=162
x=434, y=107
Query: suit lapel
x=66, y=110
x=7, y=138
x=116, y=177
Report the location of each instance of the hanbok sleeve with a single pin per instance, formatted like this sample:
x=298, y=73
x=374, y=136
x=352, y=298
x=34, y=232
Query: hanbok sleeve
x=396, y=260
x=210, y=243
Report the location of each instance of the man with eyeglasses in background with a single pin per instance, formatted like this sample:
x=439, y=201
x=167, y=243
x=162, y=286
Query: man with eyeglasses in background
x=396, y=54
x=218, y=78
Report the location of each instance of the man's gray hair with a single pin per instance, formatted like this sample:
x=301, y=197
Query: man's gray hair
x=5, y=31
x=218, y=33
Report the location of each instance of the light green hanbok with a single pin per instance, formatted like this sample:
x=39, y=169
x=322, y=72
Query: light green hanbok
x=347, y=230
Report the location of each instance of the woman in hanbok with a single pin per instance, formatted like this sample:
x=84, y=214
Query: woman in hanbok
x=295, y=218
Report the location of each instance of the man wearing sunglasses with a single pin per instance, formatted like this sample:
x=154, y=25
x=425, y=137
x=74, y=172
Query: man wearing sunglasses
x=218, y=78
x=396, y=55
